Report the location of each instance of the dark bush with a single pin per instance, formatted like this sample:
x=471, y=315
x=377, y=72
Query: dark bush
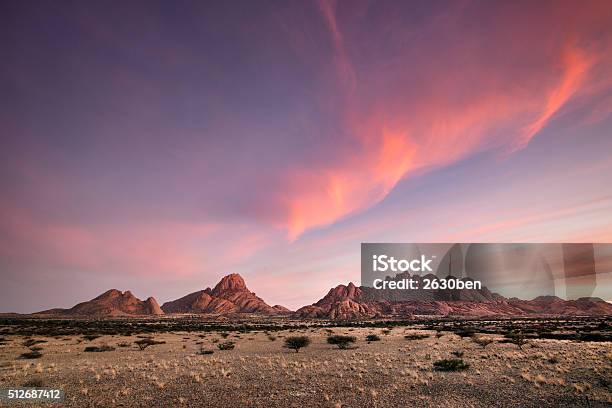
x=205, y=352
x=341, y=341
x=517, y=338
x=226, y=345
x=296, y=342
x=34, y=383
x=458, y=353
x=465, y=332
x=450, y=365
x=146, y=342
x=31, y=355
x=416, y=336
x=90, y=337
x=372, y=337
x=99, y=349
x=31, y=342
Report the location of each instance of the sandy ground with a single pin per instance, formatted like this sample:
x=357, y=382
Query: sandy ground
x=260, y=372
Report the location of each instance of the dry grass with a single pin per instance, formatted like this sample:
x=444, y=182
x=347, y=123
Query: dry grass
x=262, y=373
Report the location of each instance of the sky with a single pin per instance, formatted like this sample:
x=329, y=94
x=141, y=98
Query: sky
x=158, y=146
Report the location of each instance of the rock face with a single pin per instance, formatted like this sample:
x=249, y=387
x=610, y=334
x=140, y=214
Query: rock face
x=230, y=295
x=341, y=303
x=112, y=303
x=349, y=302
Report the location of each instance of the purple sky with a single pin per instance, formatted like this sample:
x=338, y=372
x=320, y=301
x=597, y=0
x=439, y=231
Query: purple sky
x=159, y=146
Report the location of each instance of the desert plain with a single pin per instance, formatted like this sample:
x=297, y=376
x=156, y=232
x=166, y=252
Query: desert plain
x=188, y=368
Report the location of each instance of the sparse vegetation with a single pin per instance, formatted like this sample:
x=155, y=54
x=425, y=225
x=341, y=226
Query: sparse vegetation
x=31, y=355
x=146, y=342
x=517, y=338
x=297, y=342
x=98, y=349
x=482, y=341
x=450, y=365
x=31, y=342
x=465, y=332
x=553, y=360
x=226, y=345
x=34, y=383
x=416, y=336
x=372, y=337
x=558, y=371
x=343, y=342
x=90, y=337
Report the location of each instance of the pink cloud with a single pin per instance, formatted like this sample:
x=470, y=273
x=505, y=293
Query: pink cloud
x=456, y=112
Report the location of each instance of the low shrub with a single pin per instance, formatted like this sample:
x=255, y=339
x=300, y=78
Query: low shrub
x=450, y=365
x=205, y=352
x=296, y=342
x=343, y=342
x=482, y=341
x=34, y=383
x=90, y=337
x=465, y=332
x=99, y=349
x=553, y=360
x=31, y=342
x=146, y=342
x=31, y=355
x=226, y=345
x=516, y=338
x=416, y=336
x=372, y=337
x=458, y=353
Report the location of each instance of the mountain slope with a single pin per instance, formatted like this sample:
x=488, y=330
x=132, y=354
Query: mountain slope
x=230, y=295
x=112, y=303
x=349, y=302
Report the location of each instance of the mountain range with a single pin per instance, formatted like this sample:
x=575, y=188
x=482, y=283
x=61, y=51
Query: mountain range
x=344, y=302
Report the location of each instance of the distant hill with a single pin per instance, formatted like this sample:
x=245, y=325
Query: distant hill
x=111, y=303
x=230, y=295
x=348, y=302
x=344, y=302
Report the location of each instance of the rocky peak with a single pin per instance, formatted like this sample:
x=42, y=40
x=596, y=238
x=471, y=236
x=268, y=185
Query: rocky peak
x=153, y=307
x=109, y=294
x=230, y=283
x=340, y=293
